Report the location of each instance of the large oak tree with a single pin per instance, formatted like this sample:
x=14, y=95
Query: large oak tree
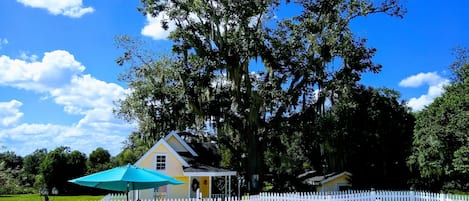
x=303, y=63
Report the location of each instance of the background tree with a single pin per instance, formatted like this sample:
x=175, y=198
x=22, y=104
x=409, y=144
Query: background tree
x=33, y=161
x=440, y=146
x=61, y=165
x=159, y=95
x=460, y=67
x=31, y=166
x=371, y=137
x=126, y=156
x=368, y=133
x=99, y=159
x=11, y=160
x=305, y=61
x=12, y=174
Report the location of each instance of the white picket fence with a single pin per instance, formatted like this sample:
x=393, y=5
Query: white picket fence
x=359, y=196
x=322, y=196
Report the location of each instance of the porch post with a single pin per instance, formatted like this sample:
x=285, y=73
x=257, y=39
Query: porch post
x=189, y=188
x=210, y=187
x=225, y=186
x=229, y=186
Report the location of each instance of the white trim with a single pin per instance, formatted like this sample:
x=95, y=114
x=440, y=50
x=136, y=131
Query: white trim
x=171, y=150
x=189, y=187
x=336, y=176
x=184, y=144
x=229, y=187
x=210, y=174
x=165, y=161
x=209, y=187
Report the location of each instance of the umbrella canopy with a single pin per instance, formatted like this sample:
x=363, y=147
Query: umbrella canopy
x=125, y=178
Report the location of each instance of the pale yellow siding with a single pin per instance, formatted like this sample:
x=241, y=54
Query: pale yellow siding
x=204, y=186
x=173, y=168
x=333, y=185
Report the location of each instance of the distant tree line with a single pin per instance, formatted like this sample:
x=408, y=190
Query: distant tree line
x=47, y=170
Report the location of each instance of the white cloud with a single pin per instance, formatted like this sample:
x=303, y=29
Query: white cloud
x=435, y=83
x=9, y=112
x=153, y=27
x=69, y=8
x=55, y=69
x=59, y=77
x=85, y=93
x=3, y=41
x=30, y=58
x=25, y=138
x=431, y=78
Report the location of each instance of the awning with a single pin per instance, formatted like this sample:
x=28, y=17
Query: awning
x=205, y=170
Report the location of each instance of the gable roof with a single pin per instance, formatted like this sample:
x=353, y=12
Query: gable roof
x=182, y=142
x=188, y=159
x=322, y=179
x=162, y=142
x=336, y=176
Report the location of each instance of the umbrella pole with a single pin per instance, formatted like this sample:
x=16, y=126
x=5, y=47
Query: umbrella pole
x=133, y=187
x=127, y=192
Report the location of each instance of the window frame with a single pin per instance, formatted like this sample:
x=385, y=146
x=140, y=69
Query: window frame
x=161, y=162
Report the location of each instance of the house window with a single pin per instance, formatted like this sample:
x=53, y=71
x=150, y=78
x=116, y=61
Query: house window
x=160, y=162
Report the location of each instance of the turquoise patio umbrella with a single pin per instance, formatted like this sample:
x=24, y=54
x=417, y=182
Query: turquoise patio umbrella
x=126, y=178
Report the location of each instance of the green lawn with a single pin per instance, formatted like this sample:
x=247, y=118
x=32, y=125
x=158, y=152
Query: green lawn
x=36, y=197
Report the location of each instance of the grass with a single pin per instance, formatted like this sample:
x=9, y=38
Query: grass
x=36, y=197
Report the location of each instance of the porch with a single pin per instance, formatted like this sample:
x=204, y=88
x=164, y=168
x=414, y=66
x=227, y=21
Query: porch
x=202, y=185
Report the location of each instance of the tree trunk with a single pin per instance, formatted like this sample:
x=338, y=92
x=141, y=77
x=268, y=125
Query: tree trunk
x=254, y=162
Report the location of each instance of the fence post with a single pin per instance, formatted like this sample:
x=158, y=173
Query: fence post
x=442, y=196
x=329, y=196
x=373, y=194
x=412, y=194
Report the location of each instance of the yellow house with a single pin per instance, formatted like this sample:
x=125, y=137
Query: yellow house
x=174, y=157
x=331, y=182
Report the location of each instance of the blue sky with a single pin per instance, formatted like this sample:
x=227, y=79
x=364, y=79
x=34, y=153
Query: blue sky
x=58, y=78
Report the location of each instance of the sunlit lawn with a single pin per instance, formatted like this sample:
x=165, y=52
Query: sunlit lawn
x=36, y=197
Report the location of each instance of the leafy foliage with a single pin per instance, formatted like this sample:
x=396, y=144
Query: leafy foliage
x=12, y=179
x=460, y=67
x=31, y=166
x=372, y=137
x=61, y=165
x=440, y=147
x=127, y=156
x=33, y=161
x=48, y=170
x=99, y=159
x=11, y=160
